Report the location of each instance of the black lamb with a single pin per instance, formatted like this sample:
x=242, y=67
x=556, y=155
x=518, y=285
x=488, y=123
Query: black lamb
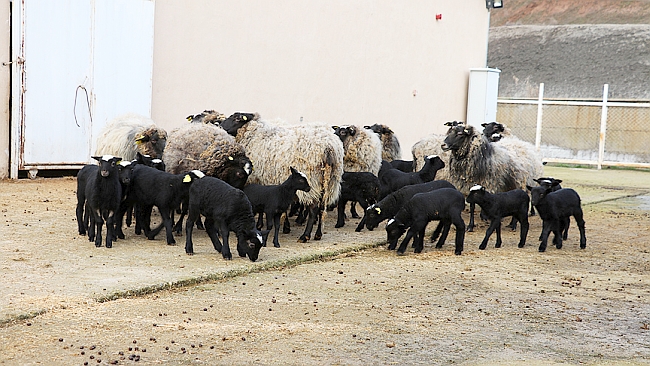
x=496, y=206
x=555, y=209
x=103, y=197
x=152, y=187
x=445, y=204
x=392, y=179
x=274, y=200
x=362, y=187
x=391, y=204
x=225, y=209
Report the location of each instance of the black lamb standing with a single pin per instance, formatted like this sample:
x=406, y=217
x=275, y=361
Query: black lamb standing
x=274, y=200
x=103, y=198
x=225, y=209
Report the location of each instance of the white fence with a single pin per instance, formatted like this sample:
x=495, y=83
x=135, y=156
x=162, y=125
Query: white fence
x=581, y=132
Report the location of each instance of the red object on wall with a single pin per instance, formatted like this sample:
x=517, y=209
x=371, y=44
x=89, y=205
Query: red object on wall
x=438, y=16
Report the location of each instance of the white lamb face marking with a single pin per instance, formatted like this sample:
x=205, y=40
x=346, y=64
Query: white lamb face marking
x=432, y=157
x=124, y=163
x=156, y=161
x=247, y=168
x=390, y=222
x=302, y=174
x=107, y=157
x=198, y=173
x=476, y=188
x=259, y=237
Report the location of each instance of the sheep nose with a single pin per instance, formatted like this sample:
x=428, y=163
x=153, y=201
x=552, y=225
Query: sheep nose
x=104, y=173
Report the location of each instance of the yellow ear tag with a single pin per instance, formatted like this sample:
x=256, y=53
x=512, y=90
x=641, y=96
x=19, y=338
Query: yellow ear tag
x=230, y=158
x=187, y=179
x=378, y=210
x=245, y=118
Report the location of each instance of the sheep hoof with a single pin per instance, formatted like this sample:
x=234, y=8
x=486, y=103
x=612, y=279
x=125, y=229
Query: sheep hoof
x=338, y=225
x=303, y=239
x=277, y=245
x=400, y=253
x=497, y=245
x=520, y=245
x=542, y=250
x=286, y=231
x=470, y=229
x=318, y=237
x=192, y=253
x=109, y=245
x=458, y=252
x=482, y=247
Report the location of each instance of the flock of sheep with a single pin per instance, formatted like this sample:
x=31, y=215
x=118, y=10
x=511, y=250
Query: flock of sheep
x=227, y=169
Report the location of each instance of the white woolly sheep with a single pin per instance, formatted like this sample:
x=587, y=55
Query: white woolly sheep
x=125, y=135
x=311, y=148
x=362, y=149
x=389, y=142
x=476, y=160
x=208, y=148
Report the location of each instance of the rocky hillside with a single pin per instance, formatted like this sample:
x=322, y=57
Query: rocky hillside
x=572, y=59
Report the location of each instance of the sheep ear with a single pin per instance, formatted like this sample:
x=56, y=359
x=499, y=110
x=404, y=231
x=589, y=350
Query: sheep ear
x=190, y=118
x=556, y=182
x=98, y=158
x=353, y=130
x=484, y=124
x=335, y=127
x=366, y=127
x=529, y=187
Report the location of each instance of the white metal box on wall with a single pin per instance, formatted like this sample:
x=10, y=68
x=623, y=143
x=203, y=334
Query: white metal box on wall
x=76, y=65
x=482, y=96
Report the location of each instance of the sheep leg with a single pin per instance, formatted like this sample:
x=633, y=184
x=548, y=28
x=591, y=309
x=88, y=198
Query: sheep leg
x=213, y=233
x=178, y=226
x=276, y=230
x=129, y=216
x=418, y=241
x=224, y=231
x=565, y=227
x=362, y=223
x=340, y=209
x=144, y=218
x=260, y=221
x=80, y=217
x=168, y=221
x=581, y=227
x=459, y=224
x=405, y=242
x=524, y=230
x=437, y=231
x=546, y=230
x=488, y=233
x=303, y=213
x=513, y=223
x=286, y=226
x=99, y=223
x=189, y=226
x=446, y=225
x=91, y=224
x=319, y=228
x=353, y=210
x=309, y=225
x=138, y=219
x=110, y=228
x=498, y=230
x=470, y=227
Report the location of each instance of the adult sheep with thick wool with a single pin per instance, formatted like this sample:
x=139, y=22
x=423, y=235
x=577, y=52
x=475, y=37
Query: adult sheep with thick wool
x=210, y=149
x=128, y=134
x=476, y=160
x=310, y=148
x=362, y=149
x=391, y=149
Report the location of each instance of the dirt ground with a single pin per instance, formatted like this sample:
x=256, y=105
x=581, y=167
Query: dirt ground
x=343, y=300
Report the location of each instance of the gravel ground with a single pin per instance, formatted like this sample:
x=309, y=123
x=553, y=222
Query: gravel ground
x=343, y=300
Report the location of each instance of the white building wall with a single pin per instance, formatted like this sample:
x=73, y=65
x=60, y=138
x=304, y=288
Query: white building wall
x=337, y=61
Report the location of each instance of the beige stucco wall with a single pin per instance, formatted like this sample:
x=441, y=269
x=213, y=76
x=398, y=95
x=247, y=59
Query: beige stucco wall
x=5, y=87
x=337, y=61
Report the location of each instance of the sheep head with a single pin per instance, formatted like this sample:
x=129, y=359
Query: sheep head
x=457, y=137
x=493, y=130
x=344, y=131
x=236, y=120
x=379, y=129
x=152, y=141
x=107, y=164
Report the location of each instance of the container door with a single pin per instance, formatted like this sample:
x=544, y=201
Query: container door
x=79, y=64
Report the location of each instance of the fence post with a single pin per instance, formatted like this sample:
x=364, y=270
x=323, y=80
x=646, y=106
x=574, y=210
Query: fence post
x=538, y=132
x=603, y=127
